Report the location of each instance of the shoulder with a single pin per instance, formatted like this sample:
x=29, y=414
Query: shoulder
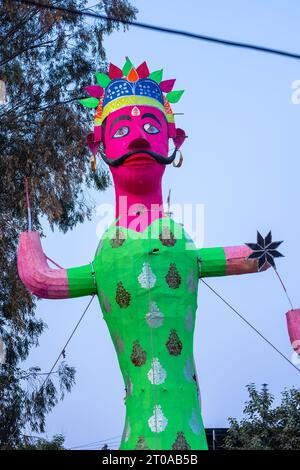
x=108, y=233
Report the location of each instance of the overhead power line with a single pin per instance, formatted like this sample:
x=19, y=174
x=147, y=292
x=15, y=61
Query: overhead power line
x=109, y=444
x=164, y=29
x=103, y=441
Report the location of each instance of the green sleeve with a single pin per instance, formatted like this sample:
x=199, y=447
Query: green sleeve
x=211, y=262
x=81, y=281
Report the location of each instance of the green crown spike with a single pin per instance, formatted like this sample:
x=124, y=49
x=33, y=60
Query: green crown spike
x=102, y=79
x=156, y=76
x=132, y=75
x=174, y=96
x=127, y=67
x=89, y=102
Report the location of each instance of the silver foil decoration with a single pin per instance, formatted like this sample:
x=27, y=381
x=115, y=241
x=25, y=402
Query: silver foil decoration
x=158, y=422
x=191, y=282
x=147, y=278
x=189, y=319
x=157, y=374
x=189, y=370
x=154, y=317
x=195, y=423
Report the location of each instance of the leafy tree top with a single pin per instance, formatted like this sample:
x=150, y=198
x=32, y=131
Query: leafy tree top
x=266, y=426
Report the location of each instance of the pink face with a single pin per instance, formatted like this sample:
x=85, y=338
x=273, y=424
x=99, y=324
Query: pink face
x=136, y=129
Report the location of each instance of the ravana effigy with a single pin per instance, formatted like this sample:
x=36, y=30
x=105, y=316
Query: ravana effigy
x=146, y=268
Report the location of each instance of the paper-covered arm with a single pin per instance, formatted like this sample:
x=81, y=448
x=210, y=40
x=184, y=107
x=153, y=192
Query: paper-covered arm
x=48, y=283
x=293, y=323
x=225, y=261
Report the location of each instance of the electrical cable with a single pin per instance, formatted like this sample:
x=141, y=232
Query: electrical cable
x=164, y=29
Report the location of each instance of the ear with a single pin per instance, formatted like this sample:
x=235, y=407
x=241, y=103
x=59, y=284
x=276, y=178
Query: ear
x=98, y=134
x=94, y=139
x=179, y=138
x=171, y=130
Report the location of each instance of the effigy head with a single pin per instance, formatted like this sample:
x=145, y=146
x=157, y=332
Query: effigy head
x=134, y=119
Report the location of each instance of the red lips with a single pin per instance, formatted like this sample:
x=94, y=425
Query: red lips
x=139, y=159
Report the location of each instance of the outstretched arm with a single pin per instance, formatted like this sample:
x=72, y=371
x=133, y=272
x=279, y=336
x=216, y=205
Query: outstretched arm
x=48, y=283
x=293, y=323
x=225, y=261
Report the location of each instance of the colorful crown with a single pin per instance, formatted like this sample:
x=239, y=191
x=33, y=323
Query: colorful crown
x=128, y=87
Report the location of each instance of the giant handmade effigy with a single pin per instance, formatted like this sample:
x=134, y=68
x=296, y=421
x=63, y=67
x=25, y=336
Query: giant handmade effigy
x=146, y=268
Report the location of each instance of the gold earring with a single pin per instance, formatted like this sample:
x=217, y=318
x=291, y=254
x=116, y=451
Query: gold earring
x=180, y=161
x=93, y=163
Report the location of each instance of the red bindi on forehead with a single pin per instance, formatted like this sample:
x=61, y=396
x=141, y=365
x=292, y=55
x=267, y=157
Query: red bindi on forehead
x=132, y=112
x=132, y=116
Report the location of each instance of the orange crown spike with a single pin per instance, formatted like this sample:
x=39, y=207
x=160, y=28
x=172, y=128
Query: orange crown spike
x=132, y=76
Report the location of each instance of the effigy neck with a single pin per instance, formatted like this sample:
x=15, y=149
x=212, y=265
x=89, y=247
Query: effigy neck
x=138, y=211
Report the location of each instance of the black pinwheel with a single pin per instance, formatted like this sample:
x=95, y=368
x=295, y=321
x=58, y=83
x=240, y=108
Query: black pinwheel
x=264, y=250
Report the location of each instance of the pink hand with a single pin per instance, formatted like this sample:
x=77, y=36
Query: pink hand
x=237, y=262
x=293, y=324
x=34, y=271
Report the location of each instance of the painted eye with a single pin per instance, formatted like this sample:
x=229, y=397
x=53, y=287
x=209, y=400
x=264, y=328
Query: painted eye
x=124, y=130
x=150, y=128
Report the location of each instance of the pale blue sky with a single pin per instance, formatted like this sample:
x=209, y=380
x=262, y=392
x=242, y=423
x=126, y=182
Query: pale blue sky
x=242, y=163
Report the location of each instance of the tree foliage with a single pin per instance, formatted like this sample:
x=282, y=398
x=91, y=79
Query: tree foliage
x=266, y=426
x=46, y=59
x=38, y=443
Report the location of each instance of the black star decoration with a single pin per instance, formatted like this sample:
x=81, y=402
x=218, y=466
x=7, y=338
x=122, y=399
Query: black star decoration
x=264, y=250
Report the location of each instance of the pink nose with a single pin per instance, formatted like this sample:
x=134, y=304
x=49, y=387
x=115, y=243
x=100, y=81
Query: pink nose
x=139, y=143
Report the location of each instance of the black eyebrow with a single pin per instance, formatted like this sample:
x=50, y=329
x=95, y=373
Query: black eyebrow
x=120, y=118
x=150, y=115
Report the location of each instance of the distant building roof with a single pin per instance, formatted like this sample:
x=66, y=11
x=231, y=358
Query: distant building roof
x=215, y=437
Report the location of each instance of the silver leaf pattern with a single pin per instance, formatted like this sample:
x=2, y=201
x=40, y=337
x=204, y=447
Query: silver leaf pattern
x=154, y=317
x=119, y=344
x=106, y=302
x=191, y=282
x=129, y=386
x=195, y=423
x=189, y=319
x=157, y=422
x=157, y=374
x=189, y=370
x=126, y=432
x=147, y=278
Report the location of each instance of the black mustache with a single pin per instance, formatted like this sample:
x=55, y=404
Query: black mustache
x=159, y=158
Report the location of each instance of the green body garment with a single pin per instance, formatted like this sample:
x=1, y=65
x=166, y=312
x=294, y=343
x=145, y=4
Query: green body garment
x=147, y=286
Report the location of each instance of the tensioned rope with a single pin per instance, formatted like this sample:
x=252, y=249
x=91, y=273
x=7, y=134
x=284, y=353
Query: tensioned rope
x=69, y=339
x=56, y=264
x=60, y=354
x=250, y=325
